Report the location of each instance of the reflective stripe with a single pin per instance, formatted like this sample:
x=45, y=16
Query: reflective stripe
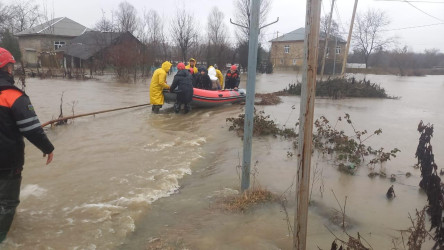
x=30, y=127
x=27, y=120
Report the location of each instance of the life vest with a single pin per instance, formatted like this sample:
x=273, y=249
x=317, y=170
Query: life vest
x=232, y=75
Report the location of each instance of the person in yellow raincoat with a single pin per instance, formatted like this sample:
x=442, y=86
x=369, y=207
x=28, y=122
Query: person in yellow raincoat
x=192, y=64
x=219, y=76
x=158, y=84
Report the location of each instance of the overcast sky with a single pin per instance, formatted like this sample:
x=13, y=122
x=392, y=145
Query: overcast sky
x=404, y=15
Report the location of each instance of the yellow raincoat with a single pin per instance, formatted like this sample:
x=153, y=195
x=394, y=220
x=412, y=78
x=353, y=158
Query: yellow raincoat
x=194, y=67
x=158, y=83
x=220, y=77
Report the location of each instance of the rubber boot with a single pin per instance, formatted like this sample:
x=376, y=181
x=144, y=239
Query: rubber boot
x=9, y=200
x=156, y=109
x=187, y=108
x=176, y=107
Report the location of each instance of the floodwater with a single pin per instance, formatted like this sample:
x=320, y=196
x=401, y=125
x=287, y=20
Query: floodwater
x=131, y=179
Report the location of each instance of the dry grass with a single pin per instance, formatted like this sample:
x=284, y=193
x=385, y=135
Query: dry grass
x=247, y=200
x=268, y=99
x=161, y=244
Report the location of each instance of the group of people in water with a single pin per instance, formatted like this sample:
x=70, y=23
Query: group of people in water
x=187, y=78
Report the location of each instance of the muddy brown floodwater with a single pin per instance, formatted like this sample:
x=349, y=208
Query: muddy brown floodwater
x=129, y=179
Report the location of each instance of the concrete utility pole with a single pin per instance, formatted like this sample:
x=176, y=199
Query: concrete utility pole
x=251, y=85
x=253, y=34
x=347, y=47
x=326, y=39
x=308, y=88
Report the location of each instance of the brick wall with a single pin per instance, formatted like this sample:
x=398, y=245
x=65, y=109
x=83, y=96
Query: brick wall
x=31, y=46
x=291, y=53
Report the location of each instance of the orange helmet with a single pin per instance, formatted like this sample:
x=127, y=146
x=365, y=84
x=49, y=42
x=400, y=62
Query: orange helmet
x=233, y=67
x=5, y=57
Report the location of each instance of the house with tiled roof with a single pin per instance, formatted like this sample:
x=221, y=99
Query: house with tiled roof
x=287, y=51
x=47, y=37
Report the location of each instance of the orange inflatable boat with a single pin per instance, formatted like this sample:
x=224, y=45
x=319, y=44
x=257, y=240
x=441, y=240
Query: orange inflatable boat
x=210, y=98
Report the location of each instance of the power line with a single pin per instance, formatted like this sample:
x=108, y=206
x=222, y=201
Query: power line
x=323, y=9
x=340, y=20
x=439, y=2
x=423, y=11
x=414, y=27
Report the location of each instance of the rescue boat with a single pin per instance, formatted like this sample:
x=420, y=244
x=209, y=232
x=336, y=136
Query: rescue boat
x=210, y=98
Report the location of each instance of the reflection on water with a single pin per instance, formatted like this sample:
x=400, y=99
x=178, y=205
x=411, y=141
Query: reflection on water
x=102, y=190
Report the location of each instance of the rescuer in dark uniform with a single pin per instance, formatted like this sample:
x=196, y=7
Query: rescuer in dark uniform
x=183, y=80
x=17, y=119
x=232, y=78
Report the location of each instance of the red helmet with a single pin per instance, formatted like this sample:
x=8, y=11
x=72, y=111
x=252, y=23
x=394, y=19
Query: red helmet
x=233, y=67
x=180, y=66
x=5, y=58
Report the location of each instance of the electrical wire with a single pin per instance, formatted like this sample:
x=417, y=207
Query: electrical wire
x=439, y=2
x=323, y=9
x=414, y=27
x=341, y=25
x=423, y=11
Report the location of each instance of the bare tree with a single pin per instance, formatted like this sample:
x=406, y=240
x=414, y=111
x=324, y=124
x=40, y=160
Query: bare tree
x=184, y=32
x=4, y=16
x=367, y=32
x=104, y=24
x=155, y=34
x=154, y=26
x=334, y=28
x=20, y=15
x=217, y=30
x=242, y=16
x=432, y=58
x=126, y=17
x=151, y=33
x=217, y=38
x=403, y=59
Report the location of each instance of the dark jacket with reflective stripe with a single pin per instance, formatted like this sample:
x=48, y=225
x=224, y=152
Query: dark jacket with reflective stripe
x=232, y=80
x=18, y=119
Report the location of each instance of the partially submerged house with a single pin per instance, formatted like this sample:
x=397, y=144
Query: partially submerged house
x=95, y=50
x=287, y=51
x=47, y=37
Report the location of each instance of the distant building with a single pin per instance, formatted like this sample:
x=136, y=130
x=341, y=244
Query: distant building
x=355, y=66
x=47, y=37
x=287, y=51
x=96, y=50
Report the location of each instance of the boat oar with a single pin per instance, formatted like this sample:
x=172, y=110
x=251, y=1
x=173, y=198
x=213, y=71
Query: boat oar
x=93, y=113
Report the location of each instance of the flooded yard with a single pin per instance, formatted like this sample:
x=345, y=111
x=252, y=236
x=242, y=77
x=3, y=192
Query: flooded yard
x=131, y=179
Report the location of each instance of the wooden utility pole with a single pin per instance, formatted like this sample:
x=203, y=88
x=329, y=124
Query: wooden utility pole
x=347, y=47
x=308, y=88
x=334, y=57
x=326, y=39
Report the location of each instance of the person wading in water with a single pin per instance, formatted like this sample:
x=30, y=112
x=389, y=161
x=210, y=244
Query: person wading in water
x=17, y=120
x=184, y=83
x=158, y=84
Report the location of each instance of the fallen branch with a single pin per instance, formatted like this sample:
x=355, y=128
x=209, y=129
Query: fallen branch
x=87, y=114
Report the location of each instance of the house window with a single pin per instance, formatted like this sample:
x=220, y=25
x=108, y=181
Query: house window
x=294, y=61
x=282, y=61
x=58, y=44
x=287, y=49
x=338, y=49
